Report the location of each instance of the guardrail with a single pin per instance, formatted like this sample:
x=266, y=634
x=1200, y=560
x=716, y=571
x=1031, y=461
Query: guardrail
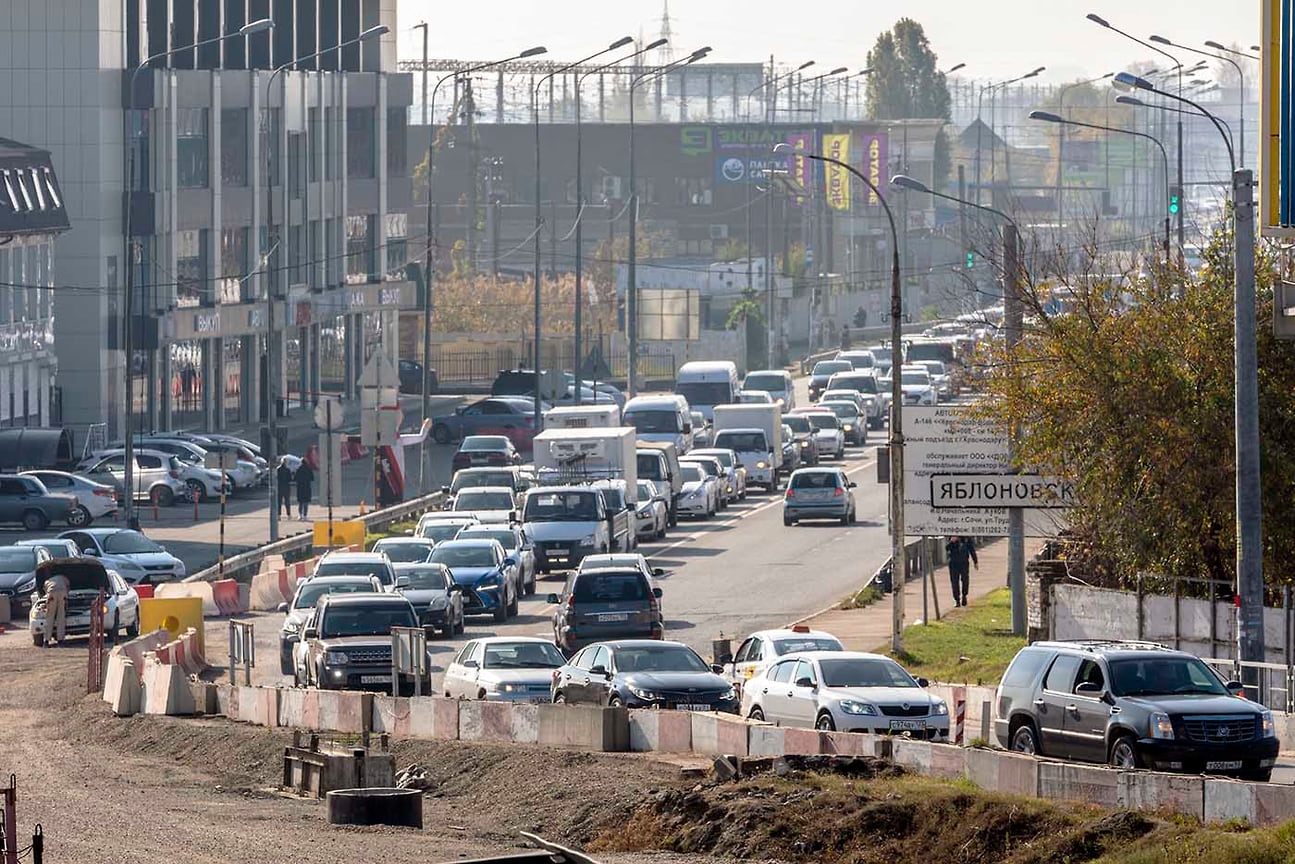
x=1273, y=684
x=243, y=567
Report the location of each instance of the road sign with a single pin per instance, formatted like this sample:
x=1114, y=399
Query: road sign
x=328, y=414
x=948, y=440
x=330, y=467
x=379, y=372
x=379, y=416
x=1000, y=490
x=225, y=460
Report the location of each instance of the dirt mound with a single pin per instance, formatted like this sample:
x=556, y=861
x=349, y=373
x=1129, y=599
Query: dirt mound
x=831, y=818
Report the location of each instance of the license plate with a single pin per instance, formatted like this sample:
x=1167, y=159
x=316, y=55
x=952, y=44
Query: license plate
x=908, y=725
x=610, y=617
x=692, y=706
x=375, y=679
x=557, y=550
x=1223, y=766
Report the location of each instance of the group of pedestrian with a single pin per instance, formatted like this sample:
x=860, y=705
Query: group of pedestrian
x=303, y=477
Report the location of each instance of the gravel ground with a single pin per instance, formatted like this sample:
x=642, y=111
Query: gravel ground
x=143, y=789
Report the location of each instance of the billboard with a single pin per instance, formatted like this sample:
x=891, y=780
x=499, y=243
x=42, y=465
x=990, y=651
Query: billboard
x=835, y=178
x=1276, y=120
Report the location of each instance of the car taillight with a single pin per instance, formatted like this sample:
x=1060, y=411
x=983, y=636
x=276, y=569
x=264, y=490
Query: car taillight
x=838, y=492
x=571, y=601
x=175, y=475
x=106, y=493
x=528, y=420
x=791, y=493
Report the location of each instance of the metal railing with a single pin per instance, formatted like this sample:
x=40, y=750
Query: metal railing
x=242, y=651
x=1273, y=684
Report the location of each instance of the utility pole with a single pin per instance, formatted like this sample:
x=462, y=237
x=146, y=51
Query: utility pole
x=1250, y=576
x=470, y=118
x=1012, y=319
x=424, y=28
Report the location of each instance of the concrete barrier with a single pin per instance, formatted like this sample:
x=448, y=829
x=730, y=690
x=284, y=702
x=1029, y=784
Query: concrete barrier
x=342, y=711
x=526, y=723
x=228, y=598
x=584, y=726
x=855, y=744
x=997, y=771
x=258, y=706
x=948, y=761
x=136, y=648
x=121, y=689
x=719, y=734
x=227, y=701
x=1148, y=790
x=201, y=590
x=659, y=731
x=1069, y=782
x=299, y=709
x=912, y=755
x=434, y=718
x=1256, y=803
x=485, y=721
x=264, y=594
x=166, y=690
x=204, y=697
x=801, y=742
x=390, y=715
x=765, y=740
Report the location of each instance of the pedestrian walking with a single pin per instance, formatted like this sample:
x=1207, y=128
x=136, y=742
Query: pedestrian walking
x=56, y=588
x=305, y=479
x=961, y=552
x=283, y=478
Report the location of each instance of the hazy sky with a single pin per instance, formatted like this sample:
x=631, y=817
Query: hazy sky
x=995, y=38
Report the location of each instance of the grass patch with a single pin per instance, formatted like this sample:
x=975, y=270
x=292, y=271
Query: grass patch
x=971, y=645
x=396, y=529
x=865, y=596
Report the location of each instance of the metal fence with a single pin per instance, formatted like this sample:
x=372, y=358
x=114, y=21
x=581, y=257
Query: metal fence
x=457, y=369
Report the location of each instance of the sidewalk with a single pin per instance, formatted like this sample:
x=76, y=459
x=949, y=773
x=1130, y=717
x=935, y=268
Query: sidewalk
x=869, y=628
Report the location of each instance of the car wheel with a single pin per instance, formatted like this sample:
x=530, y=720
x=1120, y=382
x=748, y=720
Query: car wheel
x=38, y=639
x=78, y=517
x=1124, y=753
x=501, y=613
x=163, y=496
x=845, y=520
x=197, y=491
x=34, y=520
x=756, y=714
x=132, y=629
x=512, y=607
x=441, y=433
x=840, y=454
x=825, y=723
x=787, y=521
x=115, y=631
x=1025, y=740
x=616, y=702
x=660, y=534
x=559, y=698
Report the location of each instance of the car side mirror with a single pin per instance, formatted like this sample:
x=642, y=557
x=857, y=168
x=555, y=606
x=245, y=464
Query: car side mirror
x=804, y=682
x=923, y=682
x=402, y=582
x=469, y=664
x=310, y=633
x=717, y=668
x=510, y=561
x=552, y=599
x=456, y=588
x=92, y=552
x=459, y=410
x=600, y=670
x=283, y=607
x=851, y=485
x=1088, y=688
x=656, y=592
x=658, y=571
x=445, y=490
x=1236, y=688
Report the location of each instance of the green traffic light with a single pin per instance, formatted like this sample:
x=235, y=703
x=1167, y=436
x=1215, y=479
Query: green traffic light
x=971, y=259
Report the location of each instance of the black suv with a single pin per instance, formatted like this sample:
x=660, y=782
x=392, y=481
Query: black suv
x=1131, y=705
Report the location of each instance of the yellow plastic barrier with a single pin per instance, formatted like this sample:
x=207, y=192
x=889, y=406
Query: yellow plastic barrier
x=173, y=614
x=344, y=533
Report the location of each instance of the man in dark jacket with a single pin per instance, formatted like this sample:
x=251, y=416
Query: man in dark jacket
x=305, y=479
x=961, y=552
x=283, y=479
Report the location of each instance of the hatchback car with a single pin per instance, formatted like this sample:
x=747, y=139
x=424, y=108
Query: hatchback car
x=641, y=673
x=1132, y=705
x=846, y=691
x=18, y=566
x=503, y=669
x=303, y=603
x=156, y=477
x=610, y=603
x=485, y=450
x=135, y=557
x=404, y=550
x=819, y=493
x=437, y=598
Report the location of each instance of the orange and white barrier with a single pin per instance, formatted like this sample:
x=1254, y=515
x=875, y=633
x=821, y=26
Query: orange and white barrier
x=228, y=598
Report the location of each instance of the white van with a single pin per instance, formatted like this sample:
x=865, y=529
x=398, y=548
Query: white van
x=707, y=383
x=777, y=383
x=660, y=418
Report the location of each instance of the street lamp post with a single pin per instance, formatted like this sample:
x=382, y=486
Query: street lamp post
x=993, y=141
x=1241, y=79
x=535, y=116
x=1063, y=122
x=128, y=302
x=980, y=102
x=898, y=562
x=271, y=333
x=631, y=287
x=1061, y=142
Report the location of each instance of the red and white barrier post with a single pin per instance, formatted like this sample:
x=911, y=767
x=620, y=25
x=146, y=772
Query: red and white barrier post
x=959, y=714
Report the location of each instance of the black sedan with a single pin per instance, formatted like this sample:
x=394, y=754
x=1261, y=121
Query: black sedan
x=643, y=673
x=437, y=598
x=486, y=451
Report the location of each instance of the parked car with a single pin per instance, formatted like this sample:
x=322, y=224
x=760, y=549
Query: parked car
x=652, y=514
x=156, y=476
x=373, y=564
x=847, y=691
x=503, y=669
x=606, y=603
x=87, y=581
x=135, y=557
x=511, y=416
x=57, y=547
x=93, y=500
x=411, y=377
x=18, y=566
x=819, y=493
x=404, y=550
x=303, y=603
x=1132, y=705
x=482, y=450
x=487, y=574
x=641, y=673
x=516, y=545
x=437, y=598
x=25, y=501
x=201, y=481
x=346, y=643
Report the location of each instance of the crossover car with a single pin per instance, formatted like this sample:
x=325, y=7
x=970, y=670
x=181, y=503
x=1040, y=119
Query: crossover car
x=503, y=669
x=346, y=643
x=516, y=545
x=823, y=372
x=854, y=426
x=489, y=575
x=437, y=598
x=606, y=603
x=156, y=476
x=641, y=673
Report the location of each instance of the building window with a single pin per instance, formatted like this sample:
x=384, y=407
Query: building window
x=360, y=151
x=269, y=132
x=233, y=147
x=296, y=255
x=191, y=147
x=318, y=264
x=296, y=166
x=397, y=246
x=330, y=144
x=233, y=265
x=191, y=269
x=316, y=143
x=693, y=191
x=359, y=249
x=397, y=143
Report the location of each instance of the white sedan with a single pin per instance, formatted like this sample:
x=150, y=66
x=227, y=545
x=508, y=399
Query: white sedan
x=503, y=668
x=700, y=494
x=94, y=500
x=652, y=514
x=759, y=650
x=846, y=691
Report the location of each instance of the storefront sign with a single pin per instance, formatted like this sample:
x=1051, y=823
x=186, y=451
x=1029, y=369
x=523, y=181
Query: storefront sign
x=837, y=178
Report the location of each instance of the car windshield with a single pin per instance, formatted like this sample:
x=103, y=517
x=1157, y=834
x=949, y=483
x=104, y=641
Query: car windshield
x=645, y=491
x=797, y=424
x=828, y=368
x=17, y=560
x=815, y=480
x=569, y=506
x=859, y=672
x=484, y=442
x=724, y=456
x=935, y=367
x=770, y=383
x=691, y=472
x=439, y=532
x=405, y=553
x=649, y=466
x=506, y=538
x=660, y=422
x=928, y=351
x=916, y=379
x=128, y=542
x=742, y=442
x=472, y=499
x=659, y=658
x=375, y=620
x=861, y=361
x=881, y=355
x=857, y=383
x=844, y=410
x=473, y=479
x=522, y=655
x=824, y=421
x=424, y=578
x=601, y=586
x=1163, y=676
x=708, y=467
x=57, y=548
x=353, y=568
x=805, y=643
x=464, y=556
x=705, y=392
x=312, y=591
x=754, y=397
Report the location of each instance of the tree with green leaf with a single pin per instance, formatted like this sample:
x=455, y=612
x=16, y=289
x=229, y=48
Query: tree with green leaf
x=748, y=313
x=905, y=83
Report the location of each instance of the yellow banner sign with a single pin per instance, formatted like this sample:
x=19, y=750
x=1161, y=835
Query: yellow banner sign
x=348, y=533
x=837, y=178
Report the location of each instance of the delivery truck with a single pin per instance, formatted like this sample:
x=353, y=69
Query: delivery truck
x=754, y=433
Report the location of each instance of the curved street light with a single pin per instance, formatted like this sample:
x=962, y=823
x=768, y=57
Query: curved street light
x=1241, y=78
x=1061, y=141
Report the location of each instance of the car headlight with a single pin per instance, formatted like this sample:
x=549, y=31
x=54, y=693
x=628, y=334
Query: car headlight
x=644, y=511
x=27, y=587
x=939, y=707
x=762, y=465
x=1161, y=727
x=1267, y=719
x=851, y=707
x=491, y=581
x=645, y=695
x=587, y=541
x=729, y=694
x=336, y=658
x=804, y=443
x=848, y=428
x=508, y=688
x=440, y=603
x=291, y=627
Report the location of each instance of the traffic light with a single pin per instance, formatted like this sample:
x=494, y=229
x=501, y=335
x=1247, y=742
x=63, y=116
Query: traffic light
x=971, y=260
x=1175, y=200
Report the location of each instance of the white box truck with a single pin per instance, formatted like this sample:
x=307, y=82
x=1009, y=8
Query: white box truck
x=583, y=417
x=754, y=432
x=572, y=457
